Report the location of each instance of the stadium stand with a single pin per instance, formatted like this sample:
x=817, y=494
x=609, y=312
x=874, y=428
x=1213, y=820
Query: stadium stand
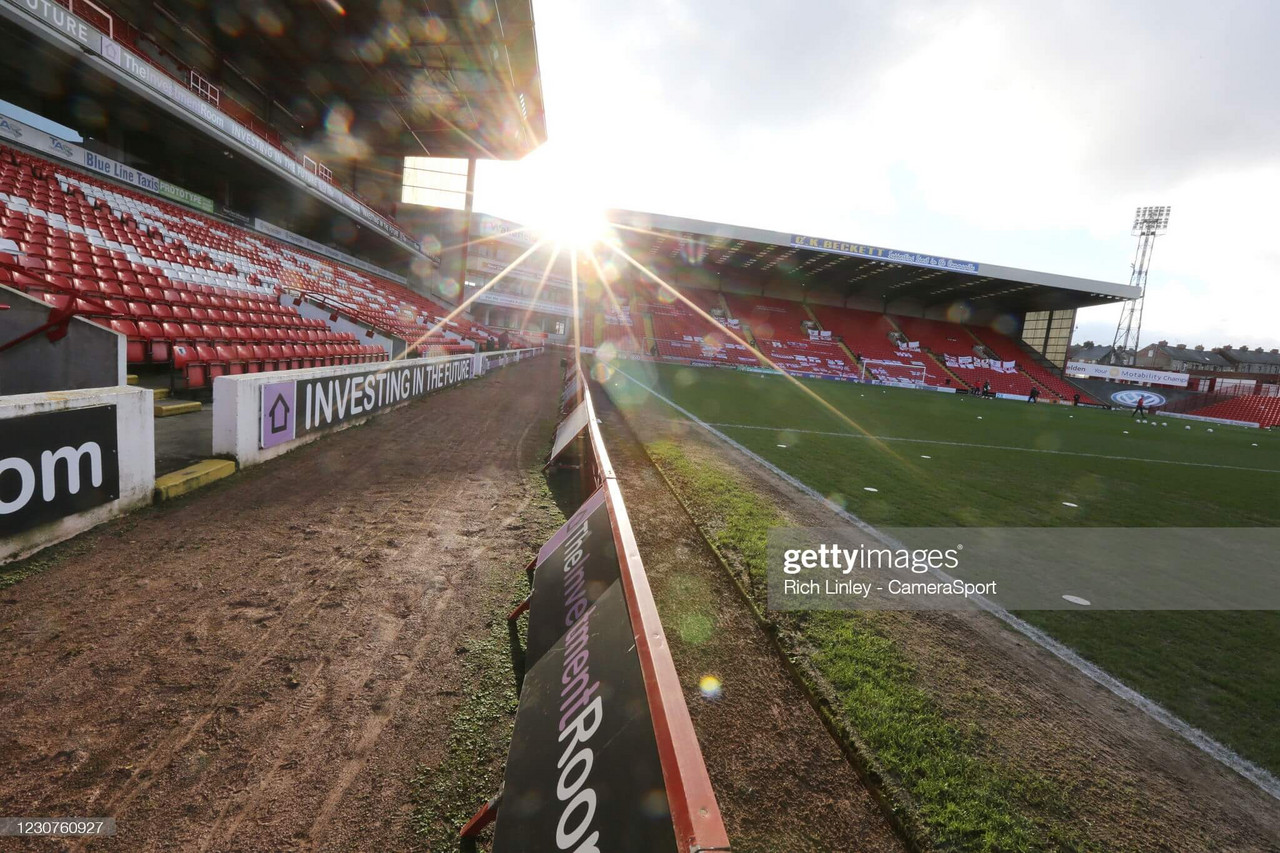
x=951, y=339
x=191, y=292
x=142, y=46
x=768, y=318
x=1010, y=350
x=778, y=327
x=620, y=326
x=870, y=337
x=681, y=333
x=904, y=350
x=1255, y=408
x=817, y=358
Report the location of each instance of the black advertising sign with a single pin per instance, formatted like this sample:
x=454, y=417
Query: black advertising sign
x=568, y=430
x=574, y=569
x=56, y=464
x=570, y=389
x=583, y=773
x=326, y=401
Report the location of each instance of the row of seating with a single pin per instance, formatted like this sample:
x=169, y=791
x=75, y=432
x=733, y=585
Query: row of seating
x=169, y=278
x=1008, y=349
x=822, y=358
x=779, y=329
x=199, y=364
x=1255, y=408
x=769, y=318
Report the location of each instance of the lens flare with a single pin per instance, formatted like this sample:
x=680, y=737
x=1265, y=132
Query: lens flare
x=602, y=372
x=958, y=312
x=710, y=687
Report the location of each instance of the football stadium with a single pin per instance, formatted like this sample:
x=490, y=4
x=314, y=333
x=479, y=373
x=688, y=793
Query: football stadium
x=338, y=513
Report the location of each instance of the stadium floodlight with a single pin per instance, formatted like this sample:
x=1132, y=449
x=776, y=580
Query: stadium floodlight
x=1151, y=220
x=1148, y=223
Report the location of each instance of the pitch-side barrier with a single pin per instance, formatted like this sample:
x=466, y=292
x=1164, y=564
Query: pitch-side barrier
x=70, y=460
x=258, y=416
x=603, y=755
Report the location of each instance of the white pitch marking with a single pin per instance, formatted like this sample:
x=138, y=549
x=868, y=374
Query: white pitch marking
x=1002, y=447
x=1070, y=504
x=1075, y=599
x=869, y=489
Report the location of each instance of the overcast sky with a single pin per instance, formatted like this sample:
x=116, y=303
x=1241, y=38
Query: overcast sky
x=1014, y=133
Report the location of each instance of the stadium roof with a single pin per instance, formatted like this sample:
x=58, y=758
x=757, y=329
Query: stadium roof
x=853, y=269
x=440, y=79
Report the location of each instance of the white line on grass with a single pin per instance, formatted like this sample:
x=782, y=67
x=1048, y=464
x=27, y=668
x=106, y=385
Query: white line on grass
x=995, y=447
x=1206, y=744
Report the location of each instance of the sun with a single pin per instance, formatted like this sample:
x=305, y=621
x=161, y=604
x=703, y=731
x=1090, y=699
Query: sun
x=559, y=195
x=571, y=225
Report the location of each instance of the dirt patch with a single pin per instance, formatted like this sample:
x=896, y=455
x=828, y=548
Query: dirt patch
x=265, y=665
x=1133, y=784
x=782, y=783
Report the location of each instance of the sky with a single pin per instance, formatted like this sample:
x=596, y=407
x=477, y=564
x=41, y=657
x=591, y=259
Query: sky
x=1006, y=132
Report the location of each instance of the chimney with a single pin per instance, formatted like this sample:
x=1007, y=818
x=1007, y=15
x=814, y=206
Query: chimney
x=1275, y=352
x=1162, y=344
x=1180, y=346
x=1199, y=347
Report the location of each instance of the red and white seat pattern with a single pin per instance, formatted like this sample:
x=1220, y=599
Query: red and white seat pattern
x=821, y=358
x=188, y=290
x=1008, y=349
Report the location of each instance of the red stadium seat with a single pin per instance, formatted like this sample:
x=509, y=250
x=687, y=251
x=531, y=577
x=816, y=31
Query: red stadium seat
x=245, y=353
x=136, y=346
x=228, y=355
x=157, y=343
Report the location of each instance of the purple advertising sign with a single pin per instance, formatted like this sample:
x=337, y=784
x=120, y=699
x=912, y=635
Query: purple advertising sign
x=277, y=414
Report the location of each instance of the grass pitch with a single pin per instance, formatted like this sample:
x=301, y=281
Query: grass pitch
x=947, y=460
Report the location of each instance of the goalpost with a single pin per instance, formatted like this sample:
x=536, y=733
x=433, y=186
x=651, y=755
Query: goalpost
x=915, y=374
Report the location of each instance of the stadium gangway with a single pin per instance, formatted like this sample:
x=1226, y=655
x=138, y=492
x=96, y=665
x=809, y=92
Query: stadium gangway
x=602, y=731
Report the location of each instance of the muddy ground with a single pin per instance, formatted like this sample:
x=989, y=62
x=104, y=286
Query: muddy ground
x=263, y=665
x=267, y=664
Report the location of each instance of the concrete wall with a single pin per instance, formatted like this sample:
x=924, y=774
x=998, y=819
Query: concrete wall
x=135, y=437
x=89, y=356
x=237, y=402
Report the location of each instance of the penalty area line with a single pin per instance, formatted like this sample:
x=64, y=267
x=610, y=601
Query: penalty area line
x=1224, y=755
x=942, y=442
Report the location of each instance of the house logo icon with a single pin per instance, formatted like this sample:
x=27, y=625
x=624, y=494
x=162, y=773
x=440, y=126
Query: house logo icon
x=277, y=414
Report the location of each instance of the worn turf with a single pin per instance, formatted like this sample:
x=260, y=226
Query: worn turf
x=947, y=460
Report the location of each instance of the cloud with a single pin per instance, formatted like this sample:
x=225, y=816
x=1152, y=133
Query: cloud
x=1006, y=132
